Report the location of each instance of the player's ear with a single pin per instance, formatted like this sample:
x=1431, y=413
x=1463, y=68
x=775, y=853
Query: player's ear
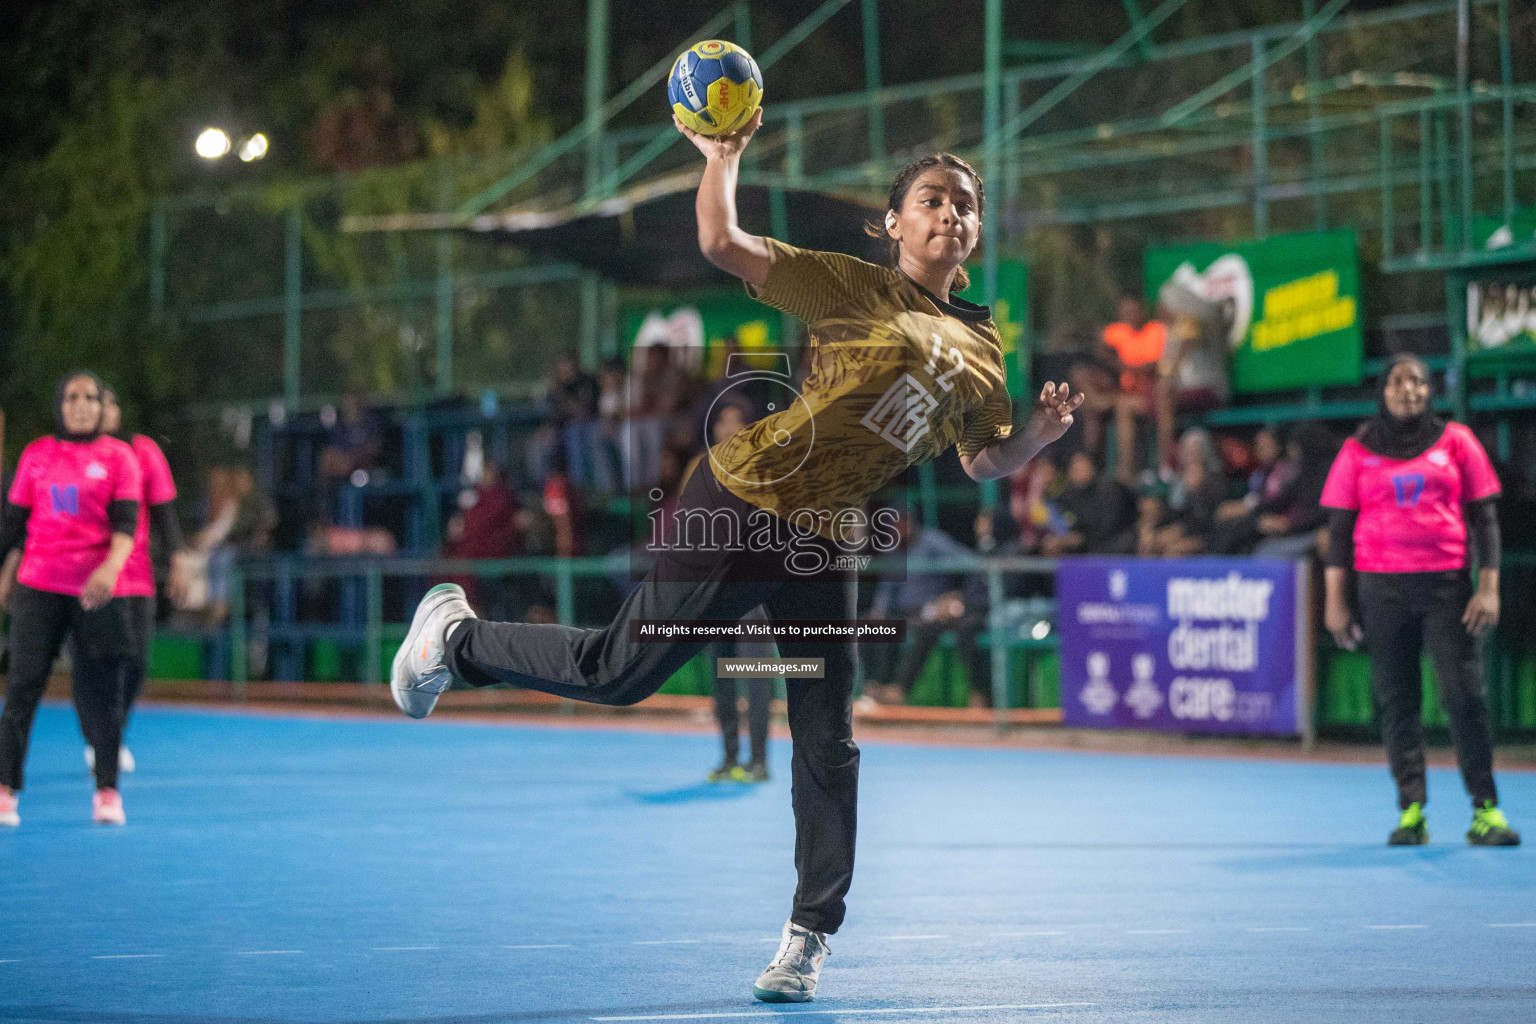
x=891, y=222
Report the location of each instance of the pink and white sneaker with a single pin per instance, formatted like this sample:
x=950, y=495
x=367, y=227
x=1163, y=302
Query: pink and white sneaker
x=107, y=808
x=8, y=815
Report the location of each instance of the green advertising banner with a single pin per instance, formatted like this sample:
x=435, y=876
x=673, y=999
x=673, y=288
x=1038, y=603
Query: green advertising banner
x=698, y=325
x=1493, y=233
x=1287, y=307
x=1011, y=314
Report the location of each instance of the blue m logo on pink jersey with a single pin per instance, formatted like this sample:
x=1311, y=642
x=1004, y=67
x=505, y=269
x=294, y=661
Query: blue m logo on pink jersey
x=1409, y=487
x=66, y=499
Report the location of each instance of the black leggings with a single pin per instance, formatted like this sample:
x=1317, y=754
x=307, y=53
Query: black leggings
x=604, y=666
x=140, y=612
x=40, y=621
x=1403, y=613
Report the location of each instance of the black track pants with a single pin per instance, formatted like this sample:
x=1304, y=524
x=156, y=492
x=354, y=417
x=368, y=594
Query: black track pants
x=1403, y=613
x=40, y=621
x=604, y=666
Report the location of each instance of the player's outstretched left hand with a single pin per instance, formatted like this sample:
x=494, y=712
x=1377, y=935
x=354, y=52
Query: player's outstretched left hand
x=1053, y=413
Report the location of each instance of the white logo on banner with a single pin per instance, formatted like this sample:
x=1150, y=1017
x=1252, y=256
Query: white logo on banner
x=1144, y=698
x=1119, y=585
x=1099, y=696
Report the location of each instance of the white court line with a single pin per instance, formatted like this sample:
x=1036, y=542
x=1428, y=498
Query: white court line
x=548, y=945
x=266, y=952
x=1158, y=931
x=1394, y=927
x=1517, y=924
x=839, y=1013
x=12, y=961
x=911, y=938
x=401, y=949
x=128, y=956
x=1279, y=928
x=1011, y=934
x=666, y=942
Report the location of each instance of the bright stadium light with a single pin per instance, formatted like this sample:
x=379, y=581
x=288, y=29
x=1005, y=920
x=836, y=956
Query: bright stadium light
x=212, y=143
x=253, y=148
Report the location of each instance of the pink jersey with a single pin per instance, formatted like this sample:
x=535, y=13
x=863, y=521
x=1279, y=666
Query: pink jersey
x=138, y=578
x=68, y=487
x=1411, y=516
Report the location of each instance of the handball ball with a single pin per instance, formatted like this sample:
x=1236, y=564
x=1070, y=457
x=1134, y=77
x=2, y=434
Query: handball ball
x=715, y=87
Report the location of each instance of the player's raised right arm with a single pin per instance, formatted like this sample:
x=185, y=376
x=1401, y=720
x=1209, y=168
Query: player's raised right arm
x=721, y=238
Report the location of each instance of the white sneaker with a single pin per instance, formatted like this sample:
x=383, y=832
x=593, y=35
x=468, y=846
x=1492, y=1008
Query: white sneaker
x=8, y=815
x=791, y=977
x=420, y=672
x=124, y=759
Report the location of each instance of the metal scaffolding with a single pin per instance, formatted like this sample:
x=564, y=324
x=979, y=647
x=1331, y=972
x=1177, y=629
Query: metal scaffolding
x=1370, y=120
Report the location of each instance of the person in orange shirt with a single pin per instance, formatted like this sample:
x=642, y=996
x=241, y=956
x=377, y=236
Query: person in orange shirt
x=1122, y=379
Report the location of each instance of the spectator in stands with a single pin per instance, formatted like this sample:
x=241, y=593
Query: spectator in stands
x=489, y=527
x=1100, y=513
x=353, y=442
x=562, y=503
x=1032, y=502
x=1279, y=516
x=240, y=520
x=1241, y=522
x=573, y=402
x=612, y=391
x=656, y=393
x=1193, y=498
x=934, y=604
x=1202, y=317
x=1121, y=380
x=326, y=538
x=570, y=424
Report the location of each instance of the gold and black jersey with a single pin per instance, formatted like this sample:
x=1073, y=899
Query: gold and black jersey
x=895, y=377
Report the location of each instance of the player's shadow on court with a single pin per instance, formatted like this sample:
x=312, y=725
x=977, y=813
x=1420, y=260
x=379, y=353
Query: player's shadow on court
x=1354, y=856
x=704, y=791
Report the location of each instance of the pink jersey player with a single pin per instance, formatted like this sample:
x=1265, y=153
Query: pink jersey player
x=1411, y=509
x=138, y=578
x=68, y=487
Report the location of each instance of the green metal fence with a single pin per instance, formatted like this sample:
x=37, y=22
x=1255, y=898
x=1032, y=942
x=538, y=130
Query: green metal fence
x=1020, y=639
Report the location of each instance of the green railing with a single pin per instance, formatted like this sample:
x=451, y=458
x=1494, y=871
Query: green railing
x=1343, y=700
x=363, y=580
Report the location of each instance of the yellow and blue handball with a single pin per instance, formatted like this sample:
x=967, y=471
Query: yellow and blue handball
x=715, y=87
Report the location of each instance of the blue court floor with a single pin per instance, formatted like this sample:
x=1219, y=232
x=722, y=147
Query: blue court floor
x=304, y=869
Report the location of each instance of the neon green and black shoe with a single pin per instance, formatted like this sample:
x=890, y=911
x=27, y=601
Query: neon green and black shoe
x=725, y=773
x=1491, y=828
x=1412, y=828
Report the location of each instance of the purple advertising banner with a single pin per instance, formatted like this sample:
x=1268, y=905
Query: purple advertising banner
x=1181, y=645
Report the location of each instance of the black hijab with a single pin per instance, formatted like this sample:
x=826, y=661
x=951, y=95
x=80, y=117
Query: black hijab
x=1400, y=437
x=58, y=407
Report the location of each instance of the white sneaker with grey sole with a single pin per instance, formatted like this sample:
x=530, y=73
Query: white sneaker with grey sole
x=791, y=977
x=420, y=672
